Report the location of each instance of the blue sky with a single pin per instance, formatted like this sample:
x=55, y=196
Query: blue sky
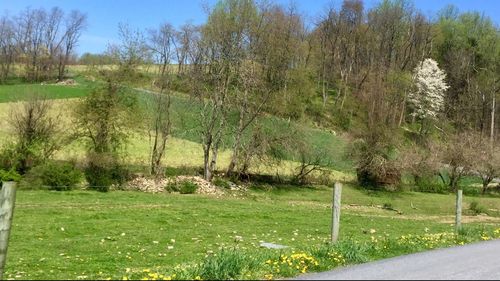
x=104, y=15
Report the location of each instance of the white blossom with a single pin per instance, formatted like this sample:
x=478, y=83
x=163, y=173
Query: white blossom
x=428, y=98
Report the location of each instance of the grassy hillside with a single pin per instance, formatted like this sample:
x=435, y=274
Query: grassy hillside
x=185, y=119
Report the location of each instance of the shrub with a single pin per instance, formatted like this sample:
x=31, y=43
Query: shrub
x=103, y=171
x=477, y=209
x=36, y=133
x=220, y=182
x=375, y=158
x=55, y=176
x=10, y=175
x=387, y=206
x=187, y=187
x=9, y=158
x=343, y=119
x=471, y=191
x=183, y=187
x=172, y=187
x=429, y=184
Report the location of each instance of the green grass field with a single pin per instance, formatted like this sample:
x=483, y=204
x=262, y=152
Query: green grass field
x=87, y=235
x=23, y=91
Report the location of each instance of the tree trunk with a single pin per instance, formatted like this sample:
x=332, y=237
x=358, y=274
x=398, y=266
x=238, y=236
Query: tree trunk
x=207, y=175
x=403, y=110
x=213, y=162
x=62, y=67
x=162, y=130
x=486, y=181
x=492, y=128
x=485, y=187
x=236, y=145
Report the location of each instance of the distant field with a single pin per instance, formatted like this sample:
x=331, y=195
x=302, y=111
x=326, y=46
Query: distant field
x=17, y=90
x=10, y=93
x=141, y=68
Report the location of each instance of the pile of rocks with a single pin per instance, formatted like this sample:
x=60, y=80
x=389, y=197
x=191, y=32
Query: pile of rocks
x=67, y=82
x=147, y=184
x=152, y=185
x=204, y=186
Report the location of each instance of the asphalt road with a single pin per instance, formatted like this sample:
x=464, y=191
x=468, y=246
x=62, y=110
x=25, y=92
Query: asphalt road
x=478, y=261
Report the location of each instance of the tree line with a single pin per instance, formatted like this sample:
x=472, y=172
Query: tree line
x=40, y=40
x=387, y=74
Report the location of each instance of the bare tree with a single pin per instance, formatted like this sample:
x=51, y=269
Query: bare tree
x=458, y=156
x=249, y=101
x=132, y=50
x=223, y=41
x=161, y=43
x=45, y=41
x=487, y=163
x=7, y=47
x=51, y=40
x=76, y=22
x=36, y=130
x=186, y=39
x=30, y=32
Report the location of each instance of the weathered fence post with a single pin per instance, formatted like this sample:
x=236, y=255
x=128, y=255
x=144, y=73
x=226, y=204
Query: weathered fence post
x=458, y=214
x=337, y=192
x=7, y=200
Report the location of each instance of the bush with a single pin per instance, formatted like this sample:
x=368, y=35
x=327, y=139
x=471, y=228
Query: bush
x=220, y=182
x=343, y=119
x=172, y=187
x=54, y=175
x=429, y=184
x=9, y=158
x=103, y=171
x=387, y=206
x=187, y=187
x=477, y=209
x=183, y=187
x=376, y=161
x=471, y=191
x=10, y=175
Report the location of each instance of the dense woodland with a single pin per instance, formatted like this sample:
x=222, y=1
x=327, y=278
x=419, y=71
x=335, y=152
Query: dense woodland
x=352, y=69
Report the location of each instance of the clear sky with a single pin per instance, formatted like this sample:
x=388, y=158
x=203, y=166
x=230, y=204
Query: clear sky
x=104, y=15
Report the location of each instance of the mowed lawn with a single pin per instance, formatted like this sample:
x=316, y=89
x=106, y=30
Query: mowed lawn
x=86, y=235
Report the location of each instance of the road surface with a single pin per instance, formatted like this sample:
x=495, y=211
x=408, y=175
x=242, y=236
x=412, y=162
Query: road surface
x=477, y=261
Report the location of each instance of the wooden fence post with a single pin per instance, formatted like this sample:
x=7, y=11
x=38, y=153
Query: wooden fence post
x=337, y=192
x=7, y=200
x=458, y=214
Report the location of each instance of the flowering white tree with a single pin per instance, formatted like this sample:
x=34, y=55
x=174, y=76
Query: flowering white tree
x=428, y=98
